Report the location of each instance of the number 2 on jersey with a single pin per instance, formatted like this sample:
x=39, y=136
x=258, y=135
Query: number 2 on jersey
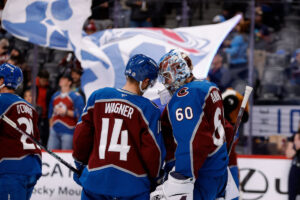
x=122, y=148
x=29, y=131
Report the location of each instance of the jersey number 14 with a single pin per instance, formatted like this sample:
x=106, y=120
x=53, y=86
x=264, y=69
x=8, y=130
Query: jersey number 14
x=122, y=148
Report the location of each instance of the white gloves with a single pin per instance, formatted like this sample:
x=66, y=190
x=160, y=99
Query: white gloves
x=175, y=188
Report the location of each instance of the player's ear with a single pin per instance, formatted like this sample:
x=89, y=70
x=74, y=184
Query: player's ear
x=1, y=80
x=145, y=83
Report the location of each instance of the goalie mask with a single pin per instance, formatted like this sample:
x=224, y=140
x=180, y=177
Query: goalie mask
x=12, y=75
x=174, y=68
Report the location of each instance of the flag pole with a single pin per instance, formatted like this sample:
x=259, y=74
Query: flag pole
x=250, y=75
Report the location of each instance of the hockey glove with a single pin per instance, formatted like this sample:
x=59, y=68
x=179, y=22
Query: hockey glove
x=80, y=168
x=176, y=187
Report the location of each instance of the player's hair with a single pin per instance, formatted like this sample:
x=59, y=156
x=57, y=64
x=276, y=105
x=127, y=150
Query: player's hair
x=132, y=80
x=43, y=73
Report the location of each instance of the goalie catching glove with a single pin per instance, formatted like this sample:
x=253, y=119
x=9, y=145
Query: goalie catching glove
x=177, y=187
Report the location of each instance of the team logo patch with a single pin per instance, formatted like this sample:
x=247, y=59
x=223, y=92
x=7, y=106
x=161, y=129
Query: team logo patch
x=183, y=92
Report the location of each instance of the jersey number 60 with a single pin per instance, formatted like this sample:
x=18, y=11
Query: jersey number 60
x=186, y=113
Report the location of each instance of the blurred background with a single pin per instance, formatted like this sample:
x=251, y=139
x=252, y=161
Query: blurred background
x=263, y=51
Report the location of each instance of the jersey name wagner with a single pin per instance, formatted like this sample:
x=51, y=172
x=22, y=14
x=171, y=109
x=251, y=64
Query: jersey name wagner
x=119, y=108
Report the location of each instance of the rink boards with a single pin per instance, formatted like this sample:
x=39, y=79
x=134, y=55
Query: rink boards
x=261, y=177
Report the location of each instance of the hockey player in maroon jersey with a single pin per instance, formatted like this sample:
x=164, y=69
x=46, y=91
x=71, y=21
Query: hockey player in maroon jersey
x=20, y=159
x=117, y=141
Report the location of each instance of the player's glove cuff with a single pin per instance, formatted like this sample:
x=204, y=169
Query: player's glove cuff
x=80, y=168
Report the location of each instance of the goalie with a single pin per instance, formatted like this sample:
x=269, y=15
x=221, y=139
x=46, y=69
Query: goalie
x=193, y=130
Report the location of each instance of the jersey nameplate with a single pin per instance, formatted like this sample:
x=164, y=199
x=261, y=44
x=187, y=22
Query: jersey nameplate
x=21, y=108
x=119, y=108
x=215, y=96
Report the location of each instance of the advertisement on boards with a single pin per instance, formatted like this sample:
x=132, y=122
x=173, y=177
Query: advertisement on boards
x=56, y=182
x=261, y=178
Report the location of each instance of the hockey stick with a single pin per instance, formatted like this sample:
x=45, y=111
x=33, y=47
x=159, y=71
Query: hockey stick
x=248, y=91
x=13, y=124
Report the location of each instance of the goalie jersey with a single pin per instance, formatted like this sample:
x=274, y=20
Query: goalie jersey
x=18, y=155
x=193, y=129
x=118, y=138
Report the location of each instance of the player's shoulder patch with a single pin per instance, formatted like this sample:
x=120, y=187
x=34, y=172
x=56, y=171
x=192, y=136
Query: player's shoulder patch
x=183, y=92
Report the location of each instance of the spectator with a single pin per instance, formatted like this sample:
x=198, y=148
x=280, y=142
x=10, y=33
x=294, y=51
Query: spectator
x=90, y=28
x=28, y=95
x=16, y=57
x=125, y=14
x=76, y=73
x=293, y=151
x=219, y=74
x=237, y=51
x=294, y=69
x=4, y=45
x=158, y=17
x=218, y=19
x=101, y=14
x=43, y=96
x=262, y=33
x=64, y=110
x=140, y=13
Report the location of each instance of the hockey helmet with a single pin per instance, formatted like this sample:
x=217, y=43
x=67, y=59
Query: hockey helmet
x=12, y=75
x=174, y=68
x=140, y=67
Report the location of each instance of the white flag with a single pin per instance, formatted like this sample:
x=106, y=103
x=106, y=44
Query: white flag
x=103, y=55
